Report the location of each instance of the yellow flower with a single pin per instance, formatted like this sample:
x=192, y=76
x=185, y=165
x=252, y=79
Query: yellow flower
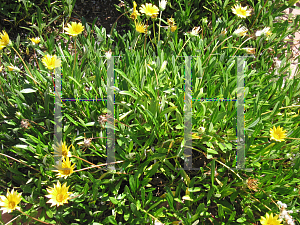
x=62, y=150
x=35, y=40
x=4, y=39
x=240, y=11
x=140, y=27
x=135, y=13
x=64, y=168
x=250, y=50
x=58, y=195
x=74, y=29
x=1, y=68
x=51, y=62
x=278, y=134
x=149, y=10
x=173, y=28
x=171, y=21
x=10, y=202
x=270, y=220
x=12, y=68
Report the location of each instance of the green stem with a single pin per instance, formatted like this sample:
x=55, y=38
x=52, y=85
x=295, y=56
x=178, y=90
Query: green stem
x=136, y=42
x=159, y=27
x=145, y=38
x=182, y=48
x=154, y=32
x=75, y=56
x=28, y=71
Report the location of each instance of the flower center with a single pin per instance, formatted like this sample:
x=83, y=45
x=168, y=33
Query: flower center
x=11, y=205
x=66, y=171
x=59, y=197
x=241, y=12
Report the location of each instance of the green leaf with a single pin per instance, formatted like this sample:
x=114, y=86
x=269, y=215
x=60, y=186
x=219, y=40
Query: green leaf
x=71, y=119
x=113, y=200
x=128, y=93
x=112, y=220
x=194, y=189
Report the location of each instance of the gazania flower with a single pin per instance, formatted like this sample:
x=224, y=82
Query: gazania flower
x=250, y=50
x=108, y=54
x=58, y=195
x=162, y=5
x=171, y=21
x=10, y=202
x=135, y=13
x=62, y=150
x=64, y=168
x=240, y=11
x=278, y=134
x=35, y=40
x=269, y=219
x=149, y=10
x=266, y=31
x=140, y=27
x=195, y=31
x=74, y=29
x=11, y=67
x=173, y=28
x=51, y=62
x=4, y=39
x=241, y=31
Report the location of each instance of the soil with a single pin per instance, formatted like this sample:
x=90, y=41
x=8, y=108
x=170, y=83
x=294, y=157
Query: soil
x=103, y=11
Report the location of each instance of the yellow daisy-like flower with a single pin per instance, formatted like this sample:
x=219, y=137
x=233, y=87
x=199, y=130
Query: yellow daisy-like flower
x=240, y=11
x=171, y=21
x=62, y=150
x=74, y=29
x=270, y=220
x=58, y=195
x=51, y=62
x=278, y=134
x=11, y=67
x=35, y=40
x=64, y=168
x=10, y=202
x=250, y=50
x=1, y=68
x=4, y=39
x=173, y=28
x=149, y=10
x=135, y=13
x=140, y=27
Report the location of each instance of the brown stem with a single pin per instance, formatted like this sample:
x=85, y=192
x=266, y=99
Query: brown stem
x=258, y=14
x=34, y=218
x=104, y=164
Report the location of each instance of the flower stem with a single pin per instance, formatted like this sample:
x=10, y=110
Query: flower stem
x=182, y=48
x=136, y=42
x=145, y=38
x=159, y=27
x=28, y=71
x=75, y=56
x=104, y=164
x=154, y=32
x=24, y=64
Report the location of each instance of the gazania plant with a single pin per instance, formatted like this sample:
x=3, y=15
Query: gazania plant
x=189, y=114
